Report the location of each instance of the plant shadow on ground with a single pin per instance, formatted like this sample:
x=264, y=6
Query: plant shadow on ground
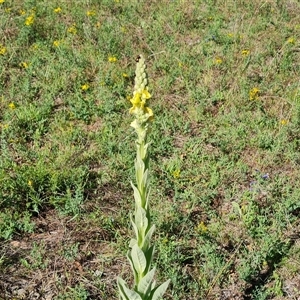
x=224, y=155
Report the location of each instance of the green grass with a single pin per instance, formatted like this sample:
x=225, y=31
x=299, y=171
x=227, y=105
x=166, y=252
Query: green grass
x=224, y=76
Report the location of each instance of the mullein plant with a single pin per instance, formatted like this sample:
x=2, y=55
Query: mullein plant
x=141, y=250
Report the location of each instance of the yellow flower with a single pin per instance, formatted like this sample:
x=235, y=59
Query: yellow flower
x=34, y=46
x=245, y=52
x=2, y=50
x=253, y=93
x=138, y=102
x=30, y=183
x=97, y=25
x=165, y=240
x=125, y=75
x=56, y=43
x=29, y=20
x=11, y=105
x=112, y=59
x=291, y=40
x=72, y=29
x=201, y=228
x=218, y=60
x=90, y=13
x=284, y=122
x=145, y=95
x=2, y=1
x=57, y=10
x=22, y=12
x=230, y=35
x=85, y=87
x=24, y=65
x=176, y=173
x=7, y=10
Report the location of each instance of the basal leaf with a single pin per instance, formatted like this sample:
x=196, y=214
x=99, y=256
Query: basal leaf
x=160, y=290
x=126, y=293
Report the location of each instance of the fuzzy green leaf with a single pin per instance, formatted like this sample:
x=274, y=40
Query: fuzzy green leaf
x=146, y=179
x=129, y=257
x=141, y=221
x=145, y=285
x=149, y=257
x=147, y=200
x=126, y=293
x=134, y=228
x=139, y=169
x=160, y=290
x=132, y=243
x=147, y=238
x=137, y=195
x=138, y=259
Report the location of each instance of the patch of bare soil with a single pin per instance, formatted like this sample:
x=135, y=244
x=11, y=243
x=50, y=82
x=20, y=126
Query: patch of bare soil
x=59, y=256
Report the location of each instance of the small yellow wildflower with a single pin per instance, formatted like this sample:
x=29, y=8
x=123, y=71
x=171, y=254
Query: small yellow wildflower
x=291, y=40
x=2, y=1
x=230, y=35
x=34, y=46
x=22, y=12
x=90, y=13
x=245, y=52
x=30, y=183
x=265, y=264
x=202, y=228
x=24, y=65
x=72, y=29
x=29, y=20
x=165, y=240
x=85, y=87
x=7, y=10
x=57, y=10
x=97, y=25
x=125, y=75
x=176, y=173
x=2, y=50
x=112, y=59
x=253, y=93
x=218, y=60
x=284, y=122
x=56, y=43
x=11, y=105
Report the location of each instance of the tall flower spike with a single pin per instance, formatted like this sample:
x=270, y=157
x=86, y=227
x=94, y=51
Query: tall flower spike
x=140, y=96
x=141, y=251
